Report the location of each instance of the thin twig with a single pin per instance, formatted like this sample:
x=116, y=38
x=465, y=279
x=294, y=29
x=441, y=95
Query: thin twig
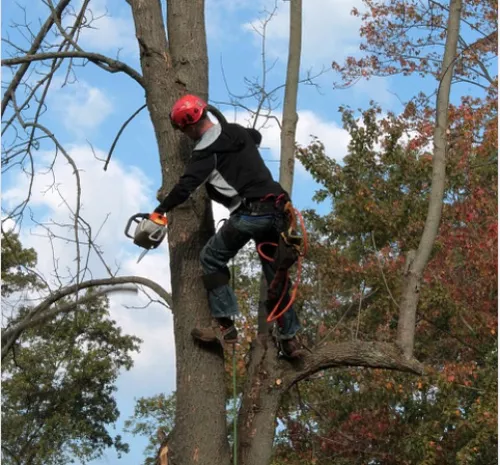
x=359, y=310
x=124, y=125
x=382, y=269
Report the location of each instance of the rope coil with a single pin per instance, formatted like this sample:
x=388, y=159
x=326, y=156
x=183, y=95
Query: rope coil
x=291, y=239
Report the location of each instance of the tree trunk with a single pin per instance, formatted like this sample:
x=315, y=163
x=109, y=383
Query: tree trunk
x=199, y=436
x=260, y=400
x=289, y=123
x=407, y=317
x=263, y=389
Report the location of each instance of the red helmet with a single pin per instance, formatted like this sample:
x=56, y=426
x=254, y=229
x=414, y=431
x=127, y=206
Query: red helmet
x=187, y=110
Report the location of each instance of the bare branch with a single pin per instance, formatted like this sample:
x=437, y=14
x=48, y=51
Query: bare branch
x=54, y=297
x=120, y=133
x=111, y=65
x=33, y=49
x=75, y=172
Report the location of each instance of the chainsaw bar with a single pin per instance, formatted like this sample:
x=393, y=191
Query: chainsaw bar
x=143, y=253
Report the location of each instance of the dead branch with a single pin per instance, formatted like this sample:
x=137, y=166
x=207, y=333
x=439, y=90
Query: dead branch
x=75, y=172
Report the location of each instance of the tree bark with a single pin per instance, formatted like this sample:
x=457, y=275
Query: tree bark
x=407, y=317
x=356, y=353
x=260, y=401
x=199, y=436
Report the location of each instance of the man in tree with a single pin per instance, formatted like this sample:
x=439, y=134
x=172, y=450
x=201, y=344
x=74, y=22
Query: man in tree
x=226, y=159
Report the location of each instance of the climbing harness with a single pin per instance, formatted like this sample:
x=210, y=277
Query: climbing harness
x=290, y=249
x=150, y=231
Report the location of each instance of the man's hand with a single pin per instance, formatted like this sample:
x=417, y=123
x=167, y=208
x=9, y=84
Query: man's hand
x=159, y=209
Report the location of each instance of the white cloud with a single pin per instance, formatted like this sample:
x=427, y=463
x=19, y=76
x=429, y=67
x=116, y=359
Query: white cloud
x=329, y=31
x=80, y=107
x=112, y=34
x=334, y=137
x=113, y=195
x=379, y=89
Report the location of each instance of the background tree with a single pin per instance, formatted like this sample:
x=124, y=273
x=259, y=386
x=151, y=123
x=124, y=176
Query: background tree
x=153, y=417
x=58, y=380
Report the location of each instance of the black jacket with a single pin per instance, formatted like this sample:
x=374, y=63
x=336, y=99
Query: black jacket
x=229, y=163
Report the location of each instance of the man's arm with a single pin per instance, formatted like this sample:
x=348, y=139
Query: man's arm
x=196, y=174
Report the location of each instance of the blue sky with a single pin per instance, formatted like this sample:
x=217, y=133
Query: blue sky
x=92, y=109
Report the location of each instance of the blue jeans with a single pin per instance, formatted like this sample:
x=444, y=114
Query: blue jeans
x=237, y=231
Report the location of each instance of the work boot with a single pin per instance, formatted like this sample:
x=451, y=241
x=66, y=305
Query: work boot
x=223, y=331
x=291, y=348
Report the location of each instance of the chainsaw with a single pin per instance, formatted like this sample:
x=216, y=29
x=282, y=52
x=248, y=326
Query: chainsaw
x=150, y=231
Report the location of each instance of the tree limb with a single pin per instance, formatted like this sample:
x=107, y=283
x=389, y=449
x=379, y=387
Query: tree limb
x=54, y=297
x=47, y=315
x=290, y=116
x=411, y=292
x=111, y=65
x=355, y=353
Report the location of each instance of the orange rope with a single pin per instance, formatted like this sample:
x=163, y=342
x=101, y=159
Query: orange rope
x=274, y=315
x=262, y=254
